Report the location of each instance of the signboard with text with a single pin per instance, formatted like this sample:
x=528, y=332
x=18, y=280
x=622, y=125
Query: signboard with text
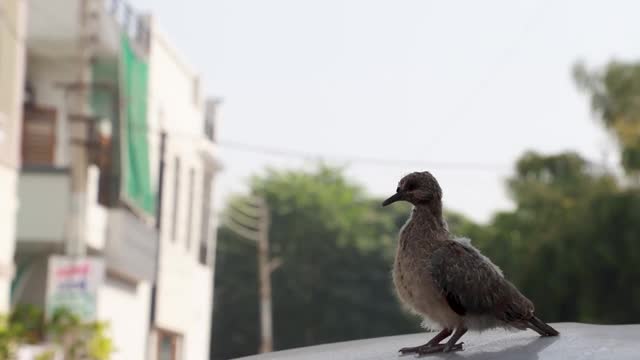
x=73, y=283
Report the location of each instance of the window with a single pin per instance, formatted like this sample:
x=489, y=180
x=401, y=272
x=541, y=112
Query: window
x=206, y=214
x=190, y=208
x=168, y=344
x=176, y=198
x=38, y=136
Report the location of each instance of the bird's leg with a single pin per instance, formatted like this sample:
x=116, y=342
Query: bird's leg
x=451, y=344
x=433, y=342
x=439, y=337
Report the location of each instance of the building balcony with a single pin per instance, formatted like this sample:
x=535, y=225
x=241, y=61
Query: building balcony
x=102, y=23
x=44, y=200
x=127, y=243
x=131, y=246
x=44, y=195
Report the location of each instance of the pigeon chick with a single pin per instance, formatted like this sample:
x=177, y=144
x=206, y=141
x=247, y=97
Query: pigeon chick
x=447, y=281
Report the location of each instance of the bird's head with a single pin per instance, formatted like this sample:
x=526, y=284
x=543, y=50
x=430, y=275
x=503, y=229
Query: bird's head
x=418, y=188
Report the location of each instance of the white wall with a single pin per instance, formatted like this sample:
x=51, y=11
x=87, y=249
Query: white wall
x=184, y=286
x=199, y=314
x=96, y=221
x=12, y=29
x=7, y=232
x=126, y=306
x=12, y=50
x=179, y=271
x=45, y=201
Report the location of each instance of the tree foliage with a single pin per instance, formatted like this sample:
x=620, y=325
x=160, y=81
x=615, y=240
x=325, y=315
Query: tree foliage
x=336, y=247
x=27, y=324
x=615, y=98
x=553, y=244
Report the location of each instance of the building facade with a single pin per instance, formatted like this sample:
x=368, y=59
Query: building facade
x=184, y=287
x=12, y=50
x=72, y=195
x=92, y=146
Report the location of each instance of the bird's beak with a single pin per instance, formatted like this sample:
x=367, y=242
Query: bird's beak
x=395, y=197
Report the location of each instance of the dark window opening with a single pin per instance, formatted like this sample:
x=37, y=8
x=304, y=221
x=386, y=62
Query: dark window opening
x=190, y=208
x=176, y=199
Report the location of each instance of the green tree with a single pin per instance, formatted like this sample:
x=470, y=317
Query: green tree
x=615, y=98
x=546, y=233
x=571, y=242
x=336, y=246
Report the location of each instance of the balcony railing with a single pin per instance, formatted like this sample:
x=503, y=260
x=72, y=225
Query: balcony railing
x=134, y=24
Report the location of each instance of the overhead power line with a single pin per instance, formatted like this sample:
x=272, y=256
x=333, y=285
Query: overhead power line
x=259, y=149
x=274, y=151
x=298, y=154
x=347, y=158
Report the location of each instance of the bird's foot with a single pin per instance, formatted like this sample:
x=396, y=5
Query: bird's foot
x=414, y=349
x=440, y=348
x=431, y=349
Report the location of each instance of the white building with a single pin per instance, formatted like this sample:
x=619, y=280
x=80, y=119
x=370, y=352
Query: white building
x=176, y=106
x=158, y=287
x=12, y=29
x=109, y=227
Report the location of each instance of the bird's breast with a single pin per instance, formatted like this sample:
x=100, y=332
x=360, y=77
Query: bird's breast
x=412, y=280
x=416, y=289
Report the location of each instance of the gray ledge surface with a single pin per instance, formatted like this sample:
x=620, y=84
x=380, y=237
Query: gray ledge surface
x=576, y=341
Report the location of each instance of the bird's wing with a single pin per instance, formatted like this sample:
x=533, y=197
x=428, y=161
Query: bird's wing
x=472, y=285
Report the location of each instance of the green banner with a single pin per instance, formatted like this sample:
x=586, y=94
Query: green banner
x=137, y=188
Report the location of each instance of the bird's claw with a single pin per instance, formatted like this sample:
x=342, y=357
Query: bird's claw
x=413, y=349
x=431, y=349
x=444, y=348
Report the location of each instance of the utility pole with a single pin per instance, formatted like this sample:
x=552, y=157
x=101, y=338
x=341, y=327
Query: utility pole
x=264, y=270
x=249, y=218
x=78, y=118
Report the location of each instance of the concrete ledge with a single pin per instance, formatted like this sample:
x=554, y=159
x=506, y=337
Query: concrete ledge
x=576, y=341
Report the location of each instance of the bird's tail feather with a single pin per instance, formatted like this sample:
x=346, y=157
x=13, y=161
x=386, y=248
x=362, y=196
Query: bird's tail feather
x=541, y=327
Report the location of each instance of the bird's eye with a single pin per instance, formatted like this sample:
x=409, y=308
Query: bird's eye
x=398, y=189
x=411, y=186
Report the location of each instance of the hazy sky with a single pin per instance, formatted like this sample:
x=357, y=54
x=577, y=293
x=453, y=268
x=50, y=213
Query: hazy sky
x=462, y=82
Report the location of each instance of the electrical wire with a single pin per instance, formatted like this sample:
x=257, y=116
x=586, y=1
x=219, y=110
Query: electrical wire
x=258, y=149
